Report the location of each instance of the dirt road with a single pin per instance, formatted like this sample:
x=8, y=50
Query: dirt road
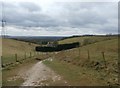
x=41, y=75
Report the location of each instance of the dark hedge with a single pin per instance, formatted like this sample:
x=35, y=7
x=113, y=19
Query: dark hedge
x=58, y=47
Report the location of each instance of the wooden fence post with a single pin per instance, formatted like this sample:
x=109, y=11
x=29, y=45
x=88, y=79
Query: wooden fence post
x=30, y=54
x=25, y=55
x=103, y=55
x=16, y=58
x=2, y=60
x=88, y=56
x=79, y=52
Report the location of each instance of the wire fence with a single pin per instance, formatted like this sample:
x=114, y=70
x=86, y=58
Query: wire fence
x=13, y=58
x=90, y=58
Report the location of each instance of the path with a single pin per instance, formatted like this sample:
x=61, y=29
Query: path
x=41, y=75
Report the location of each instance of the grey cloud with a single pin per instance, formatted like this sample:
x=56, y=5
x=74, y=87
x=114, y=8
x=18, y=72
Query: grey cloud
x=85, y=13
x=72, y=15
x=17, y=15
x=30, y=6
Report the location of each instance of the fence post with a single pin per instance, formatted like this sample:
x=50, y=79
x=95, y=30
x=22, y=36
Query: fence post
x=2, y=60
x=30, y=54
x=16, y=58
x=25, y=55
x=103, y=55
x=88, y=56
x=79, y=52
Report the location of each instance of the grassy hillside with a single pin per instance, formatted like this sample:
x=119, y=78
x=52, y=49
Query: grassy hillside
x=82, y=38
x=109, y=47
x=11, y=47
x=86, y=65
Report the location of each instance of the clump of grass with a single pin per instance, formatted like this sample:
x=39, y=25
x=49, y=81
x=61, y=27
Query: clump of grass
x=92, y=69
x=76, y=75
x=16, y=82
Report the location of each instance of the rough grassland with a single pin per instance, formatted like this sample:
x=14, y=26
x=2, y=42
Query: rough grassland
x=75, y=66
x=81, y=39
x=11, y=47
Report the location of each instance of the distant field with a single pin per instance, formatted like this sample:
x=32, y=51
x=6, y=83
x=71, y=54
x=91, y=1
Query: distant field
x=11, y=47
x=80, y=68
x=81, y=39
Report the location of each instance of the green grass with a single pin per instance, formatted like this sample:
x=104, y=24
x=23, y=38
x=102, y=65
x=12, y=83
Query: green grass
x=12, y=58
x=109, y=47
x=13, y=82
x=75, y=75
x=11, y=47
x=8, y=59
x=81, y=39
x=86, y=73
x=8, y=78
x=78, y=76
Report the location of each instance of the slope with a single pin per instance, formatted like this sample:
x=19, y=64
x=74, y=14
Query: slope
x=82, y=39
x=87, y=65
x=11, y=47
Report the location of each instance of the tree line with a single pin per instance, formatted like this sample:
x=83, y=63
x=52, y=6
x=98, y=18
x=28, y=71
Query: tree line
x=58, y=47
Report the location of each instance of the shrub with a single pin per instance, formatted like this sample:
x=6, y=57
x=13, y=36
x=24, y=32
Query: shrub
x=58, y=47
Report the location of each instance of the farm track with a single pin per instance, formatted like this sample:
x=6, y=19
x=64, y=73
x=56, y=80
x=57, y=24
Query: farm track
x=39, y=75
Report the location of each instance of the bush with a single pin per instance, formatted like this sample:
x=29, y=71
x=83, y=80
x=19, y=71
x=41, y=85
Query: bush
x=58, y=47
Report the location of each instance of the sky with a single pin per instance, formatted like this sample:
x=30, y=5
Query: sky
x=59, y=17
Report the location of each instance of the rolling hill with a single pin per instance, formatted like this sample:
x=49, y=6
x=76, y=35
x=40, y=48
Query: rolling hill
x=87, y=65
x=82, y=38
x=11, y=47
x=82, y=66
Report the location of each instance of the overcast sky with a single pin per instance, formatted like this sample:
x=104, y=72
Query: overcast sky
x=60, y=18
